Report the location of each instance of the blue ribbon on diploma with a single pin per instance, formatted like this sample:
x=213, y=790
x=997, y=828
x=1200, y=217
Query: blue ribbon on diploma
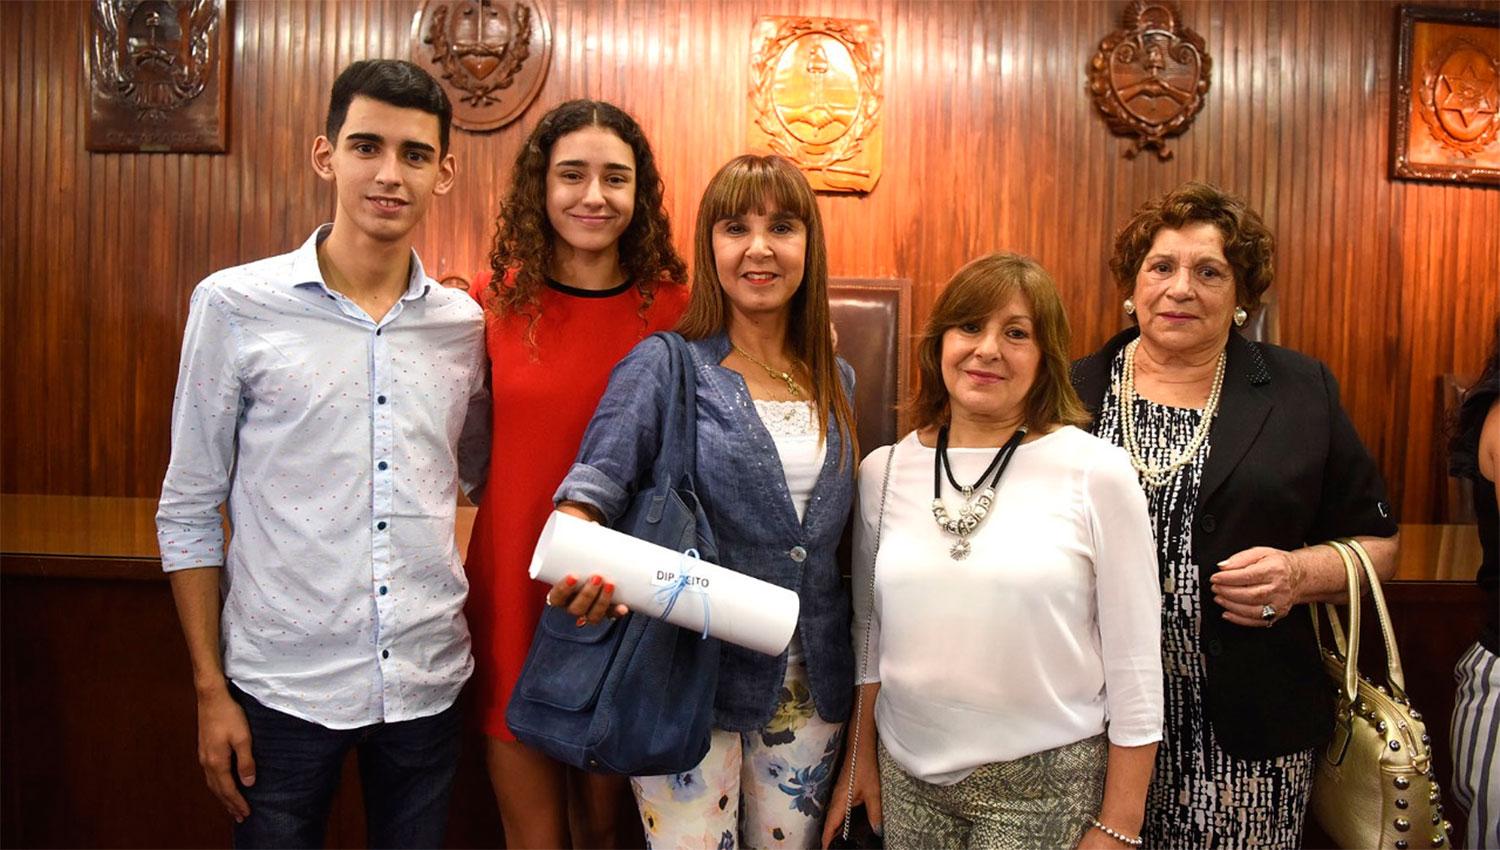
x=668, y=594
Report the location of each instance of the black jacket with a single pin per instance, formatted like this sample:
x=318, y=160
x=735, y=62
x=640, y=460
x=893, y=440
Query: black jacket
x=1285, y=469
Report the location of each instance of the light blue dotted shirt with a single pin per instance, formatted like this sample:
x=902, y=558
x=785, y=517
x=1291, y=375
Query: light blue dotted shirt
x=338, y=443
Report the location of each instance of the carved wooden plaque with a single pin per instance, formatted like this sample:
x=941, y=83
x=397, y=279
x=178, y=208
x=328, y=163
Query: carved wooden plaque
x=491, y=56
x=1149, y=77
x=1447, y=112
x=158, y=75
x=816, y=98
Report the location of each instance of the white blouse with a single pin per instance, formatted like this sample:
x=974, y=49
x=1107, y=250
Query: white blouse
x=1047, y=634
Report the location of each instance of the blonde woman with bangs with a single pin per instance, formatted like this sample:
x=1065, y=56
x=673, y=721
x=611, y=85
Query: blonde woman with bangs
x=1013, y=632
x=775, y=472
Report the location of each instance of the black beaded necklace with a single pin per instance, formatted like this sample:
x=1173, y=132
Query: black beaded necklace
x=975, y=508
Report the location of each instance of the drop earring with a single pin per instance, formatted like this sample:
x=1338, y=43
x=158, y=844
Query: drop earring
x=1240, y=317
x=1129, y=306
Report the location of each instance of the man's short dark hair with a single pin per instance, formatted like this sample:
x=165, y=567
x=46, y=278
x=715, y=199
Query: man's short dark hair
x=391, y=81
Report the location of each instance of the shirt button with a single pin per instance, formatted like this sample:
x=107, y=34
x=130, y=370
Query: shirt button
x=380, y=399
x=1208, y=523
x=382, y=590
x=378, y=330
x=381, y=465
x=380, y=525
x=1215, y=648
x=798, y=554
x=385, y=653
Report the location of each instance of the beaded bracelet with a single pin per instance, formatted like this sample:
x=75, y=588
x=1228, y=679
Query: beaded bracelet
x=1118, y=836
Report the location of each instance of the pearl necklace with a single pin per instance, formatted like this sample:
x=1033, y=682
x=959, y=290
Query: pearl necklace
x=975, y=508
x=1156, y=476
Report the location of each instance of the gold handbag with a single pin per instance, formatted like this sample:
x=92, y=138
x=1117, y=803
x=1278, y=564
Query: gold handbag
x=1374, y=786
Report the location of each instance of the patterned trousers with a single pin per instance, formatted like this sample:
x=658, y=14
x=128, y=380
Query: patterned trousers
x=767, y=788
x=1044, y=800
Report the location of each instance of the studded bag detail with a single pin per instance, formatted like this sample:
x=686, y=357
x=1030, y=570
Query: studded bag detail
x=1375, y=785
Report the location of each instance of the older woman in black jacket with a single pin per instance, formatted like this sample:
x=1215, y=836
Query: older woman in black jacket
x=1249, y=463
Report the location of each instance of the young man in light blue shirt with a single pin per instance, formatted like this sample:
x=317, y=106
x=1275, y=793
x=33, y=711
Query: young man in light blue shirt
x=334, y=397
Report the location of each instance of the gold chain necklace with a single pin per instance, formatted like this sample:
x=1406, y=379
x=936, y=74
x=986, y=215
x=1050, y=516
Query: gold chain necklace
x=1156, y=476
x=791, y=383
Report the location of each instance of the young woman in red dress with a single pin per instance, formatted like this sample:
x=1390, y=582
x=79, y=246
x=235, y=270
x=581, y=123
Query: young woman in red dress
x=583, y=268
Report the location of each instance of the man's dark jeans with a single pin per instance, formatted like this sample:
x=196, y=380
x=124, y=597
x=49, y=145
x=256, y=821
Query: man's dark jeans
x=406, y=769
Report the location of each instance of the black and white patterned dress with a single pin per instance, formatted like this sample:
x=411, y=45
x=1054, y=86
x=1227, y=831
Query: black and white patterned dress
x=1200, y=797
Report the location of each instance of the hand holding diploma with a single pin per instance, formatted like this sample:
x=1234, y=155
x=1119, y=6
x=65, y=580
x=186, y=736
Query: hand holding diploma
x=588, y=600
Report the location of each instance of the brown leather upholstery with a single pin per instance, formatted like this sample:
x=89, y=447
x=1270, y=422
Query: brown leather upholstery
x=873, y=320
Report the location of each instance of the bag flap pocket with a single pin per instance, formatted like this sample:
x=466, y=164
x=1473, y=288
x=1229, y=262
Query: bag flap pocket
x=560, y=625
x=576, y=660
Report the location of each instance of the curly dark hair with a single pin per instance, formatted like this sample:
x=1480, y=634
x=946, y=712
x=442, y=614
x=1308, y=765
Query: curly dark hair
x=524, y=236
x=1248, y=244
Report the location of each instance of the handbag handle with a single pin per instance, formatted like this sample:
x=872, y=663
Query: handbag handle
x=1349, y=653
x=864, y=655
x=1395, y=674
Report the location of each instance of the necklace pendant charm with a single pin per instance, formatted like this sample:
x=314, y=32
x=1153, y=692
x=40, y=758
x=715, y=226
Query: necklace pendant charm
x=960, y=549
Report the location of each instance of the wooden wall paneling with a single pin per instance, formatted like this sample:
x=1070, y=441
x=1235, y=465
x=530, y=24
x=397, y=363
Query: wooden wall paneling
x=991, y=144
x=100, y=720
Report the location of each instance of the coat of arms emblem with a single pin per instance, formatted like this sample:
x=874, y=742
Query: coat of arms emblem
x=489, y=55
x=1149, y=77
x=815, y=98
x=150, y=63
x=1460, y=96
x=1445, y=115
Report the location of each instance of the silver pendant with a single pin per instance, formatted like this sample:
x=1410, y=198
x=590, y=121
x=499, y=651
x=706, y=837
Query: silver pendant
x=960, y=549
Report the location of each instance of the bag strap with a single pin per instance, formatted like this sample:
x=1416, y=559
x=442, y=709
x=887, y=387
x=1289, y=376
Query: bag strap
x=1349, y=653
x=864, y=655
x=676, y=457
x=1395, y=675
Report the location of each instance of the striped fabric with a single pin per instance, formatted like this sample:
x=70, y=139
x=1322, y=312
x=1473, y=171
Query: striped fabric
x=1476, y=745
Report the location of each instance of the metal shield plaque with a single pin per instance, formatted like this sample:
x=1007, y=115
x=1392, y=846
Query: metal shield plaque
x=158, y=75
x=815, y=98
x=490, y=56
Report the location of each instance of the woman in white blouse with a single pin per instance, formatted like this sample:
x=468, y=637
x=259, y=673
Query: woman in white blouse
x=1010, y=633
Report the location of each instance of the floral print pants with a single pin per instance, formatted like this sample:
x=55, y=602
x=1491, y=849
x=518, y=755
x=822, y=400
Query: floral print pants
x=767, y=788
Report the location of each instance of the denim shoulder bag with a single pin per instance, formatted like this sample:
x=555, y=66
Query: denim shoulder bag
x=632, y=696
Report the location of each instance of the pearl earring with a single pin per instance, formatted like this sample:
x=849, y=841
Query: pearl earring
x=1129, y=306
x=1240, y=317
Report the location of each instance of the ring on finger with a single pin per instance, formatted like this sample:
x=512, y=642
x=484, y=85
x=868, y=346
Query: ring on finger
x=1268, y=613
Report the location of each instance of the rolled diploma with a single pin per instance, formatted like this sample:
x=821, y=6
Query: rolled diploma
x=744, y=611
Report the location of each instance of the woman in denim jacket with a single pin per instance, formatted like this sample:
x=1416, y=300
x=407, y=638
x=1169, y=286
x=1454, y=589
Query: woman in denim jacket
x=775, y=471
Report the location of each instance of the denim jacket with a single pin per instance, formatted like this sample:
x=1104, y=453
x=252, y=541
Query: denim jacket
x=744, y=493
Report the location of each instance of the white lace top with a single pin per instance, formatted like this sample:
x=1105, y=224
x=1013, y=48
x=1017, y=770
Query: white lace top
x=794, y=429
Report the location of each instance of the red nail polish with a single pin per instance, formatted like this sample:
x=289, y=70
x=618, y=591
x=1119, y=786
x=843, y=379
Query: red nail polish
x=595, y=581
x=570, y=581
x=581, y=621
x=609, y=588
